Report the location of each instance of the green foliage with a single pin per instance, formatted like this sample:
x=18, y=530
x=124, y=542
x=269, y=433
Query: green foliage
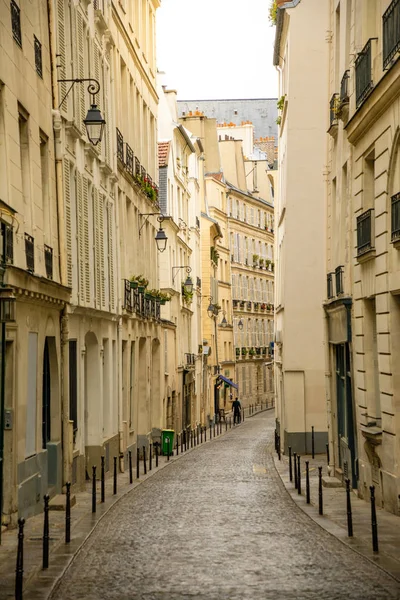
x=281, y=102
x=273, y=10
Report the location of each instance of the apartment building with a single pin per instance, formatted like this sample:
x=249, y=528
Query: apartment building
x=364, y=191
x=300, y=225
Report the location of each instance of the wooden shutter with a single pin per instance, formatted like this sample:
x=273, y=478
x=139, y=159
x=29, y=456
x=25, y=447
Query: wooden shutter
x=106, y=114
x=68, y=224
x=80, y=87
x=86, y=245
x=97, y=284
x=111, y=261
x=101, y=250
x=62, y=54
x=81, y=251
x=96, y=71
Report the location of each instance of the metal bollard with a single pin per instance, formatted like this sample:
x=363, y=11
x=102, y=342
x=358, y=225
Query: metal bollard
x=320, y=500
x=103, y=477
x=312, y=442
x=349, y=514
x=230, y=422
x=68, y=513
x=290, y=464
x=93, y=489
x=294, y=469
x=307, y=482
x=19, y=571
x=184, y=439
x=144, y=461
x=151, y=455
x=298, y=475
x=205, y=433
x=327, y=454
x=276, y=440
x=156, y=445
x=279, y=447
x=197, y=435
x=210, y=431
x=137, y=463
x=243, y=415
x=374, y=523
x=177, y=444
x=115, y=476
x=46, y=532
x=130, y=472
x=226, y=425
x=168, y=449
x=181, y=442
x=194, y=438
x=201, y=434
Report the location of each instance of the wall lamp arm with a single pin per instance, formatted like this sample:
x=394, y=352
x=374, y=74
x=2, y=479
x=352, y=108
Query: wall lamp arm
x=93, y=87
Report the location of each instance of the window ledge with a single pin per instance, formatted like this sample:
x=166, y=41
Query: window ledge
x=396, y=243
x=367, y=255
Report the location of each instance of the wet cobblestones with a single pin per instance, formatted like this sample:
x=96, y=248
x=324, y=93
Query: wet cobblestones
x=219, y=525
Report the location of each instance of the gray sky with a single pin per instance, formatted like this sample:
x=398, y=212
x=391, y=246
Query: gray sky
x=215, y=49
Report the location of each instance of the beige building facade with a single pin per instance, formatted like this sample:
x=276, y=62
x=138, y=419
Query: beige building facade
x=300, y=226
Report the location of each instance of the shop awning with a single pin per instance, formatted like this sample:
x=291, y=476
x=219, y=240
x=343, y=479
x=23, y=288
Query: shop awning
x=228, y=381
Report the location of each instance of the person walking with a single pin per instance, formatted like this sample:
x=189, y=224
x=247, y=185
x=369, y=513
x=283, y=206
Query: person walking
x=237, y=409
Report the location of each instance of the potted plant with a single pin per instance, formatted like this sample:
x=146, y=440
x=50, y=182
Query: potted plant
x=261, y=262
x=267, y=263
x=139, y=282
x=272, y=266
x=252, y=352
x=263, y=306
x=134, y=283
x=163, y=297
x=242, y=304
x=256, y=304
x=187, y=296
x=244, y=351
x=255, y=259
x=237, y=351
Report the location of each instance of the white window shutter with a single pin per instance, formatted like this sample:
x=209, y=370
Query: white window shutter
x=101, y=242
x=111, y=260
x=68, y=224
x=62, y=54
x=96, y=269
x=85, y=196
x=80, y=87
x=81, y=243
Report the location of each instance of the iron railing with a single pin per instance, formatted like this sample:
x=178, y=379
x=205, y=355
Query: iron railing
x=333, y=108
x=396, y=217
x=129, y=159
x=38, y=56
x=198, y=222
x=344, y=87
x=391, y=32
x=198, y=282
x=363, y=66
x=329, y=286
x=120, y=146
x=7, y=233
x=16, y=22
x=143, y=172
x=48, y=261
x=190, y=359
x=30, y=253
x=339, y=280
x=137, y=166
x=98, y=5
x=364, y=232
x=135, y=301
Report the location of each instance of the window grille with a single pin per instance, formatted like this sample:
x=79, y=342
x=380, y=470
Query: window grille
x=16, y=22
x=38, y=56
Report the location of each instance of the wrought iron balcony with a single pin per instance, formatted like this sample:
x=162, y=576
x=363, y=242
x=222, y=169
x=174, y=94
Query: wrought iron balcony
x=38, y=56
x=391, y=32
x=396, y=217
x=137, y=166
x=344, y=88
x=30, y=253
x=16, y=22
x=190, y=360
x=329, y=285
x=48, y=261
x=363, y=64
x=333, y=111
x=129, y=159
x=364, y=232
x=7, y=233
x=137, y=302
x=120, y=146
x=98, y=5
x=339, y=280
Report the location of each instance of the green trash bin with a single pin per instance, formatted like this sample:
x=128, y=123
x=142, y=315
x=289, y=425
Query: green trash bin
x=167, y=441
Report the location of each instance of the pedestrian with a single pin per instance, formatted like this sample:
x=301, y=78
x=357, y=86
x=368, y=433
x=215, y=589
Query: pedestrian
x=237, y=409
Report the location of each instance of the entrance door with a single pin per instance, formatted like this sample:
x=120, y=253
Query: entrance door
x=345, y=413
x=46, y=396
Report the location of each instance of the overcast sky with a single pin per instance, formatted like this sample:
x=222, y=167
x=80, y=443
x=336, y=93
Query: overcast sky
x=216, y=49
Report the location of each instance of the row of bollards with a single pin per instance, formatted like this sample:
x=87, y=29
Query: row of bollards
x=295, y=476
x=188, y=438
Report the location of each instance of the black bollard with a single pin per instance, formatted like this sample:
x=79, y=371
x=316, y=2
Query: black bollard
x=298, y=475
x=201, y=434
x=349, y=515
x=242, y=415
x=290, y=464
x=144, y=461
x=167, y=448
x=93, y=489
x=184, y=439
x=19, y=571
x=130, y=473
x=295, y=469
x=177, y=444
x=151, y=454
x=230, y=422
x=46, y=533
x=194, y=438
x=115, y=476
x=205, y=433
x=226, y=425
x=320, y=501
x=307, y=482
x=197, y=435
x=276, y=440
x=312, y=442
x=327, y=454
x=210, y=431
x=181, y=442
x=156, y=445
x=137, y=463
x=103, y=477
x=279, y=447
x=374, y=523
x=68, y=513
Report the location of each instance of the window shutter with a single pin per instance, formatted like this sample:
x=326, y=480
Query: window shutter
x=68, y=225
x=106, y=114
x=86, y=238
x=97, y=282
x=81, y=89
x=101, y=241
x=81, y=243
x=111, y=277
x=96, y=71
x=62, y=55
x=235, y=247
x=239, y=248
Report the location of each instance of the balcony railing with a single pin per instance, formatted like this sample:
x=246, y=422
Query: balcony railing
x=137, y=166
x=190, y=359
x=135, y=301
x=98, y=5
x=7, y=233
x=38, y=56
x=48, y=261
x=364, y=232
x=30, y=253
x=143, y=172
x=391, y=32
x=364, y=83
x=339, y=280
x=329, y=285
x=333, y=105
x=344, y=87
x=16, y=22
x=129, y=159
x=120, y=146
x=396, y=217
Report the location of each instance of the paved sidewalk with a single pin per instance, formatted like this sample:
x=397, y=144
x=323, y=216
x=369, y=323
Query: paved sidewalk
x=334, y=519
x=38, y=583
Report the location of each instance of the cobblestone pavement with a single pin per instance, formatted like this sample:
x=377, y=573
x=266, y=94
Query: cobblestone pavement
x=218, y=524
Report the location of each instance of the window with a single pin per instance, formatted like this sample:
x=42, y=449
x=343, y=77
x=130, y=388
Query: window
x=391, y=33
x=365, y=232
x=73, y=385
x=364, y=83
x=6, y=243
x=30, y=253
x=16, y=22
x=48, y=260
x=396, y=217
x=24, y=155
x=38, y=56
x=339, y=280
x=329, y=285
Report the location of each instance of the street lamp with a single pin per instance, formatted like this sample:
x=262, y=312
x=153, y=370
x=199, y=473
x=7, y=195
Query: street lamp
x=188, y=285
x=211, y=308
x=93, y=122
x=161, y=237
x=240, y=325
x=224, y=322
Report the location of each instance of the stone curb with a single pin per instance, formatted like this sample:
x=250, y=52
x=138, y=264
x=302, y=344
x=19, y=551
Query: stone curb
x=382, y=560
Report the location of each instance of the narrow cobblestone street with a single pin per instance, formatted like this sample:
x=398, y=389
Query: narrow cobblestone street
x=218, y=524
